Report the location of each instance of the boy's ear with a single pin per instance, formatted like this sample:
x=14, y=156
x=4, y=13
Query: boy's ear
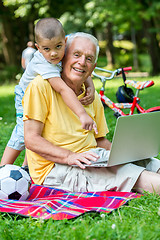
x=37, y=46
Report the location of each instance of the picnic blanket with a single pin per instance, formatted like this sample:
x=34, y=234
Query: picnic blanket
x=44, y=202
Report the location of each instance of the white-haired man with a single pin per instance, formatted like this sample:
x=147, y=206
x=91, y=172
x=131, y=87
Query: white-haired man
x=55, y=139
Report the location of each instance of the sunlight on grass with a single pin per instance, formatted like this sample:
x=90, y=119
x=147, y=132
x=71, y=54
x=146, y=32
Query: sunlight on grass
x=6, y=90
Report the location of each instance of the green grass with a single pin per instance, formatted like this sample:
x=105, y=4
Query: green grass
x=7, y=118
x=140, y=219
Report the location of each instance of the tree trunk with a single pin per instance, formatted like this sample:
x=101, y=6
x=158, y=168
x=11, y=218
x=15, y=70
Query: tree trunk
x=110, y=47
x=31, y=31
x=135, y=56
x=153, y=47
x=7, y=36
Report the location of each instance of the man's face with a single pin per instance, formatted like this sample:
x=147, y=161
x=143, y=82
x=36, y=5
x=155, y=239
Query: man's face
x=79, y=60
x=52, y=49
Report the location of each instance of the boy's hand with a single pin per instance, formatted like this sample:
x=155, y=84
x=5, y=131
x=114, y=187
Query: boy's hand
x=89, y=97
x=88, y=123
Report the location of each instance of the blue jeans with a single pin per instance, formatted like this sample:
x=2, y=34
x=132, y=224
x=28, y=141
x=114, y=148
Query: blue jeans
x=17, y=138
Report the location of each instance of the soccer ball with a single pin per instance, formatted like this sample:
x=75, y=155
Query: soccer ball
x=14, y=182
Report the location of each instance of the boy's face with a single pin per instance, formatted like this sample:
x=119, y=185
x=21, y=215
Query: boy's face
x=52, y=49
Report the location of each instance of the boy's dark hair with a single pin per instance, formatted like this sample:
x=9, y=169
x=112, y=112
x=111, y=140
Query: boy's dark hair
x=48, y=28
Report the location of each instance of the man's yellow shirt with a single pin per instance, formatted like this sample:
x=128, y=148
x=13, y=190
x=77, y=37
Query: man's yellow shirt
x=61, y=126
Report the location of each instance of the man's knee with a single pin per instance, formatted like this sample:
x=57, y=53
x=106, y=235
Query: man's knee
x=148, y=181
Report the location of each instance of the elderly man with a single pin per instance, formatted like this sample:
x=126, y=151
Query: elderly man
x=55, y=140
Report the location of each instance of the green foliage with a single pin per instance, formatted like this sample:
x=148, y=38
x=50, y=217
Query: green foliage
x=8, y=74
x=123, y=52
x=125, y=44
x=24, y=7
x=102, y=61
x=144, y=63
x=74, y=22
x=91, y=16
x=42, y=8
x=118, y=12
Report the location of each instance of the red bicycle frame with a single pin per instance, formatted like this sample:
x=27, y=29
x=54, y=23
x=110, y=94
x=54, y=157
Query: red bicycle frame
x=116, y=107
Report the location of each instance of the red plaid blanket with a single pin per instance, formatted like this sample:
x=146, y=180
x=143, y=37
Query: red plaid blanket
x=44, y=202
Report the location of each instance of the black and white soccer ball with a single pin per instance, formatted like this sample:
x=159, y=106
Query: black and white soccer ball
x=14, y=182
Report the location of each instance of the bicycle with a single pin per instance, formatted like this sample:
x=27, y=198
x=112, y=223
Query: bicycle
x=125, y=95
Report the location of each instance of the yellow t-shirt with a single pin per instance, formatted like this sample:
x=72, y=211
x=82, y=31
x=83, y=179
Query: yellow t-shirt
x=61, y=126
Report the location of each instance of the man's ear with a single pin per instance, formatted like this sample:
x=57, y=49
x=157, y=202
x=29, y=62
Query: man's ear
x=94, y=66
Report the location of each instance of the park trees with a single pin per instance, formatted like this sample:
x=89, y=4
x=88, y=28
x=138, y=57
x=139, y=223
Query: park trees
x=109, y=20
x=140, y=19
x=17, y=20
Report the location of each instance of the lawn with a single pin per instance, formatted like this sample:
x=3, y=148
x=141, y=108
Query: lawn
x=140, y=219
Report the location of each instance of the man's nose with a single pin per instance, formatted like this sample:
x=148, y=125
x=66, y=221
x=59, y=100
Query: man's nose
x=82, y=60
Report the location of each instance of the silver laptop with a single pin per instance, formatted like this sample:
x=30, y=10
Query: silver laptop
x=136, y=137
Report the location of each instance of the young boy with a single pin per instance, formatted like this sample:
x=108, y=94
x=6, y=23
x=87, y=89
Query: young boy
x=50, y=42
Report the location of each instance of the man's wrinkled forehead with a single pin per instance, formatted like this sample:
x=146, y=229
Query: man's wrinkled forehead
x=76, y=45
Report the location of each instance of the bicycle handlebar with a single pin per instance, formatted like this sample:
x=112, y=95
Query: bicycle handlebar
x=127, y=68
x=113, y=73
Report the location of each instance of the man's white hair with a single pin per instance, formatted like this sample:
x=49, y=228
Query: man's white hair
x=72, y=36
